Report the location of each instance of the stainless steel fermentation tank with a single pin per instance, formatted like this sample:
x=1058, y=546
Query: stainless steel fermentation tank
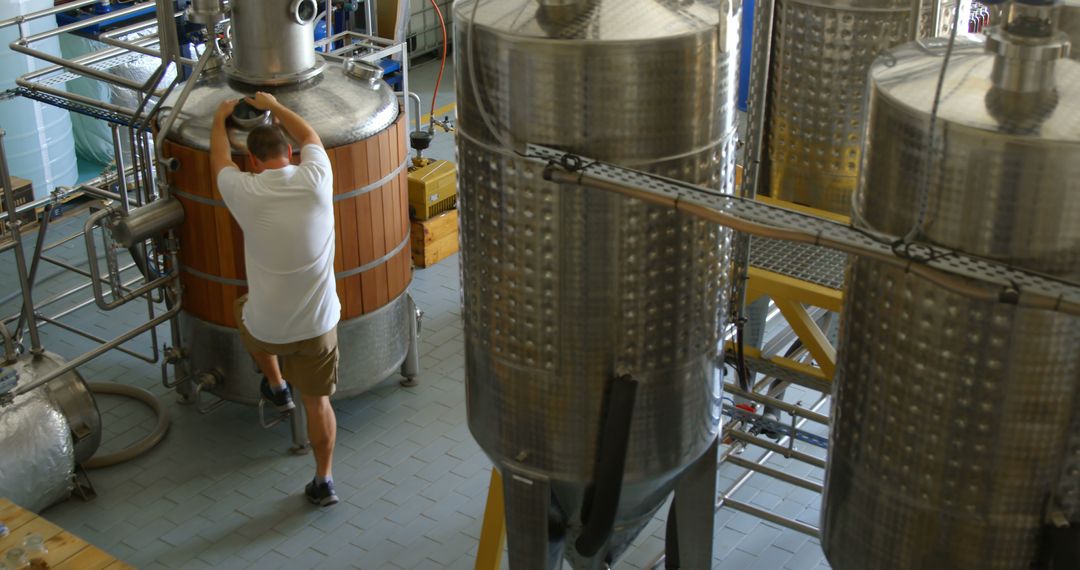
x=570, y=293
x=807, y=86
x=358, y=119
x=956, y=425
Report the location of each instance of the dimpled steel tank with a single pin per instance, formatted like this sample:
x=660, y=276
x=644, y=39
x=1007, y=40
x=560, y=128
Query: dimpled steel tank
x=956, y=428
x=565, y=288
x=820, y=54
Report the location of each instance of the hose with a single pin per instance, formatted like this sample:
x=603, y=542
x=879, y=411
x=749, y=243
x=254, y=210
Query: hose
x=143, y=445
x=602, y=498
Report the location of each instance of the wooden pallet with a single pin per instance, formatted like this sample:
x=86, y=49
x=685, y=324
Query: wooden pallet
x=434, y=240
x=66, y=551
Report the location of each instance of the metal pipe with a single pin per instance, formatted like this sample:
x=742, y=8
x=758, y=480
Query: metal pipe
x=955, y=284
x=87, y=357
x=90, y=301
x=776, y=474
x=780, y=404
x=121, y=170
x=85, y=23
x=369, y=13
x=793, y=524
x=169, y=41
x=100, y=193
x=20, y=255
x=189, y=85
x=137, y=46
x=330, y=20
x=26, y=207
x=67, y=266
x=46, y=12
x=95, y=272
x=87, y=59
x=35, y=263
x=78, y=67
x=786, y=452
x=94, y=338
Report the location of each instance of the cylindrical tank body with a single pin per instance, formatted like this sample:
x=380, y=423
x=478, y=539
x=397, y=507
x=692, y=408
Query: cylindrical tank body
x=563, y=287
x=953, y=418
x=45, y=433
x=39, y=142
x=364, y=134
x=816, y=78
x=274, y=41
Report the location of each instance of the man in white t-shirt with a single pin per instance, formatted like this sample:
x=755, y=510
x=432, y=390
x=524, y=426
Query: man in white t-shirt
x=291, y=310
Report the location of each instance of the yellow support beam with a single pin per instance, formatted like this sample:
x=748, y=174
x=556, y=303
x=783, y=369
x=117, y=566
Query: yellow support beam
x=493, y=531
x=816, y=379
x=811, y=335
x=779, y=286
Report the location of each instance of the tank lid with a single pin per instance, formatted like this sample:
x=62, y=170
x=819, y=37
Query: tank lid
x=591, y=19
x=340, y=107
x=909, y=75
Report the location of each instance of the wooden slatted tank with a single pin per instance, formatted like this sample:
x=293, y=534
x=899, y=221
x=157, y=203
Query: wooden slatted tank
x=359, y=120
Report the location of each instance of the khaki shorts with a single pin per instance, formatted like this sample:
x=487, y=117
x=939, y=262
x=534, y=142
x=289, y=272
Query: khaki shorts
x=310, y=365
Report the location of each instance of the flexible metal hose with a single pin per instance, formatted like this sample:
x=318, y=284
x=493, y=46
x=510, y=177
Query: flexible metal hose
x=143, y=445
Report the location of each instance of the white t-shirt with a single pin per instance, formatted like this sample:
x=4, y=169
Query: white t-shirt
x=287, y=215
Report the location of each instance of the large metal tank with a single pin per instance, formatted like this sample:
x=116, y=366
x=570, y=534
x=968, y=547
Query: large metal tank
x=956, y=425
x=814, y=88
x=358, y=118
x=564, y=288
x=45, y=433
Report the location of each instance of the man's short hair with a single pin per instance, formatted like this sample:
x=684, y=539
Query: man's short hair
x=267, y=142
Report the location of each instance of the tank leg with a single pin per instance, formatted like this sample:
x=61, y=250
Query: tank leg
x=298, y=423
x=410, y=369
x=695, y=512
x=528, y=503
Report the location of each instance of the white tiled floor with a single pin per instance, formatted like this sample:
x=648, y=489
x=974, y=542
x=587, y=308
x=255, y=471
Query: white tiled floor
x=221, y=492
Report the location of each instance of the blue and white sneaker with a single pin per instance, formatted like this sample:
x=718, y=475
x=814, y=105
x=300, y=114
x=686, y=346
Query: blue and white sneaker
x=282, y=401
x=321, y=494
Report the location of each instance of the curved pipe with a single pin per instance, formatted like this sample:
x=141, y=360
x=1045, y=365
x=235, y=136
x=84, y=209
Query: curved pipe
x=602, y=500
x=143, y=445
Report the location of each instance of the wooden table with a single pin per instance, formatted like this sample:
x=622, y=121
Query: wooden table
x=66, y=551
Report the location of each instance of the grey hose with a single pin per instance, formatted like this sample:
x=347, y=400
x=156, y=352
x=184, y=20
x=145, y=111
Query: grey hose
x=143, y=445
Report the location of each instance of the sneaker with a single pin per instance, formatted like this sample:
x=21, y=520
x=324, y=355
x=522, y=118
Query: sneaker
x=321, y=494
x=282, y=400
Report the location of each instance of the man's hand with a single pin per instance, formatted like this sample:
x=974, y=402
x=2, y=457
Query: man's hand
x=225, y=109
x=262, y=101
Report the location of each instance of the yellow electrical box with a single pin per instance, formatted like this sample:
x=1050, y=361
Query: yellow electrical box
x=432, y=189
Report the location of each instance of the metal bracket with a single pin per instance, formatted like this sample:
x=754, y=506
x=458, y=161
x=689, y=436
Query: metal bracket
x=951, y=269
x=83, y=487
x=279, y=418
x=172, y=357
x=208, y=381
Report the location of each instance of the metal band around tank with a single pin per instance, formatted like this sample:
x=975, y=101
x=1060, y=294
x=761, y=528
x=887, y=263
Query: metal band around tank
x=337, y=198
x=338, y=275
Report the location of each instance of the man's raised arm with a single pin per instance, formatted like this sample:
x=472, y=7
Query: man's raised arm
x=220, y=148
x=294, y=124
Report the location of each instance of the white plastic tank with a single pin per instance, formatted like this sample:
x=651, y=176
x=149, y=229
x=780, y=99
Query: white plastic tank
x=39, y=143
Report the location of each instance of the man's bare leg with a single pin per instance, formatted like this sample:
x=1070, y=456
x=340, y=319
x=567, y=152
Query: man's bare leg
x=322, y=431
x=270, y=367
